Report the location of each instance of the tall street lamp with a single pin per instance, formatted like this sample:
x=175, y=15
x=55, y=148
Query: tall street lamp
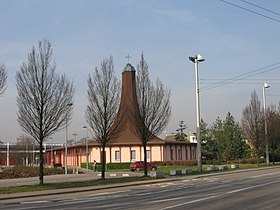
x=196, y=59
x=265, y=85
x=85, y=127
x=66, y=137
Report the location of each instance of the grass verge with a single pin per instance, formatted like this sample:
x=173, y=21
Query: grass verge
x=64, y=185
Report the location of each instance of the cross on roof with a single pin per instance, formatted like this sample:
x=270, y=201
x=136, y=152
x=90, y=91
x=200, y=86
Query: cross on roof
x=128, y=57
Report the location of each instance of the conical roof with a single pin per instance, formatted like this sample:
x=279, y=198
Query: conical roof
x=128, y=67
x=129, y=102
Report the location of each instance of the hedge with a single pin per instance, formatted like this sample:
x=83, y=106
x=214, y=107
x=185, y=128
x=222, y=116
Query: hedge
x=176, y=162
x=109, y=166
x=118, y=165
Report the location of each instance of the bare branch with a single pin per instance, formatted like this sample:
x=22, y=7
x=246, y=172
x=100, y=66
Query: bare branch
x=3, y=79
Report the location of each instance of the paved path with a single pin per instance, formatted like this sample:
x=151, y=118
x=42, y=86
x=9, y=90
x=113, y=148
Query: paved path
x=64, y=178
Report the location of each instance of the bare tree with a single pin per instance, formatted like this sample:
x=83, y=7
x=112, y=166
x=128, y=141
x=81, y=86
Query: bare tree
x=43, y=97
x=154, y=107
x=104, y=98
x=3, y=79
x=273, y=119
x=25, y=148
x=252, y=126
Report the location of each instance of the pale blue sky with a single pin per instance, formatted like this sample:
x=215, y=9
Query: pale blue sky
x=233, y=42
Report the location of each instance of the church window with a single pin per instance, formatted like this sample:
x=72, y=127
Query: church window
x=148, y=154
x=117, y=155
x=133, y=155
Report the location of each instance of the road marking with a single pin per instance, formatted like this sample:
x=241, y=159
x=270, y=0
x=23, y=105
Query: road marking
x=125, y=174
x=140, y=194
x=113, y=174
x=108, y=193
x=33, y=202
x=262, y=175
x=180, y=198
x=218, y=195
x=211, y=179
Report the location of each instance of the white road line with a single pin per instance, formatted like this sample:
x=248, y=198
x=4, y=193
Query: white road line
x=109, y=193
x=170, y=199
x=141, y=194
x=262, y=175
x=218, y=195
x=33, y=202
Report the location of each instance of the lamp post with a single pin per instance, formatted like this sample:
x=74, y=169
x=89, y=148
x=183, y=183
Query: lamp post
x=85, y=127
x=265, y=85
x=196, y=59
x=66, y=137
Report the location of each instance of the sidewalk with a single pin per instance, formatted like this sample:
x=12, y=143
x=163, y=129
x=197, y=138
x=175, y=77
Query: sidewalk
x=64, y=178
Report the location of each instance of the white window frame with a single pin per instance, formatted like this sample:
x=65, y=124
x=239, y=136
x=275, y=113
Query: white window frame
x=117, y=155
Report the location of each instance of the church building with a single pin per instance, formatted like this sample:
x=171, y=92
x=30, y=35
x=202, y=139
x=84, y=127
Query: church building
x=126, y=147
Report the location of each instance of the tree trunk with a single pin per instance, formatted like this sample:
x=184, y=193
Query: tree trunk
x=273, y=151
x=41, y=167
x=272, y=154
x=103, y=162
x=258, y=163
x=145, y=160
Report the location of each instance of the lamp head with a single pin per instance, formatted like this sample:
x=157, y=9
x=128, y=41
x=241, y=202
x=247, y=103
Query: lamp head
x=265, y=85
x=192, y=59
x=199, y=58
x=196, y=58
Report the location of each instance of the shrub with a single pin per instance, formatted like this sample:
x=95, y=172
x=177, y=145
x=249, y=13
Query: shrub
x=57, y=165
x=245, y=161
x=27, y=171
x=176, y=162
x=91, y=167
x=109, y=166
x=213, y=162
x=118, y=165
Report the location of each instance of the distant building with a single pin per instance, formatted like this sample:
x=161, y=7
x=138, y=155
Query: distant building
x=12, y=154
x=127, y=147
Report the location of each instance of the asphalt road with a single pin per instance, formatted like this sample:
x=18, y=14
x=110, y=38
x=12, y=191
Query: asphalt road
x=257, y=189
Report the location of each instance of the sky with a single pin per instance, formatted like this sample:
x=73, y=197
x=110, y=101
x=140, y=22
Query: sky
x=237, y=43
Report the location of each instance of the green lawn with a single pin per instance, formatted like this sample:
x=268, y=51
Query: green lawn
x=64, y=185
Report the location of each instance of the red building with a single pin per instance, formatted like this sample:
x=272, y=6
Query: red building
x=13, y=154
